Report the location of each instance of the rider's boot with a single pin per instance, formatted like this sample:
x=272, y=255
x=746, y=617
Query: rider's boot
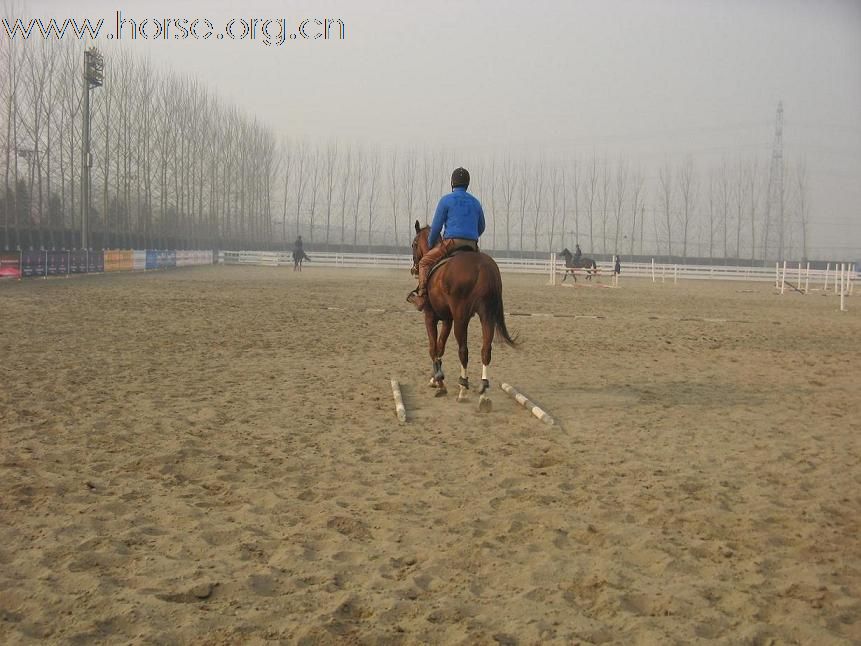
x=418, y=296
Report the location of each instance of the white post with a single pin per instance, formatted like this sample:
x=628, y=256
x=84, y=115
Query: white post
x=825, y=286
x=842, y=287
x=663, y=271
x=851, y=279
x=798, y=281
x=653, y=270
x=553, y=268
x=675, y=274
x=777, y=275
x=807, y=279
x=783, y=279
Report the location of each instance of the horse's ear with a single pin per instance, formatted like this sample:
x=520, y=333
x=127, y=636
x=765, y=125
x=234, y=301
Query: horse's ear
x=418, y=226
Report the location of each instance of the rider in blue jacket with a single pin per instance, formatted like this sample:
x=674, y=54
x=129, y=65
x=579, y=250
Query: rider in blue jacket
x=458, y=221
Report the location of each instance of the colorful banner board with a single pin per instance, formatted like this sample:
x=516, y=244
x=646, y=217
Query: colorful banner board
x=58, y=263
x=33, y=263
x=39, y=263
x=10, y=264
x=77, y=262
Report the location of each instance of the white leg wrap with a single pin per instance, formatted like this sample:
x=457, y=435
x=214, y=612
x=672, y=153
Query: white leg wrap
x=463, y=372
x=483, y=371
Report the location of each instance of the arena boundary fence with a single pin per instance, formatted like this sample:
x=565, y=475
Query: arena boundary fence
x=42, y=263
x=656, y=272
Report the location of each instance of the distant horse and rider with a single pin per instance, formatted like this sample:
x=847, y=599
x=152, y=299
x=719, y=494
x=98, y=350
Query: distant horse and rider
x=299, y=255
x=456, y=282
x=577, y=261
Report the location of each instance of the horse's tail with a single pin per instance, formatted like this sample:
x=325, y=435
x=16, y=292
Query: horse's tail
x=497, y=314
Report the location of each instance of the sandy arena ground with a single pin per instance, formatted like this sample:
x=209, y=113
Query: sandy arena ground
x=210, y=456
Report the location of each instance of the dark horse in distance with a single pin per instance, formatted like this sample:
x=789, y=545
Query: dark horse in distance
x=572, y=263
x=299, y=256
x=462, y=285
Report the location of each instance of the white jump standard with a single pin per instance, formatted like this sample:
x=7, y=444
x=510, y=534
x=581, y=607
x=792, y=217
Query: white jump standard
x=528, y=404
x=399, y=401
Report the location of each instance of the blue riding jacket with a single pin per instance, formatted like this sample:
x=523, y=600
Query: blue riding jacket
x=461, y=215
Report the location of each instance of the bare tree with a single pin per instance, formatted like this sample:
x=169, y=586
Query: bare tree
x=346, y=176
x=331, y=161
x=410, y=165
x=359, y=184
x=591, y=189
x=753, y=195
x=636, y=206
x=557, y=190
x=316, y=163
x=394, y=177
x=665, y=181
x=619, y=201
x=509, y=181
x=689, y=192
x=373, y=174
x=523, y=198
x=724, y=204
x=538, y=180
x=605, y=199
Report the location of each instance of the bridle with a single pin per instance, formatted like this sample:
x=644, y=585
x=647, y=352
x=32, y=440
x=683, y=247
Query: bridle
x=414, y=270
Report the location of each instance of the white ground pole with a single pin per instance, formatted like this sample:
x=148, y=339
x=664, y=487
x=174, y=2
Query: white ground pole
x=527, y=404
x=399, y=401
x=553, y=268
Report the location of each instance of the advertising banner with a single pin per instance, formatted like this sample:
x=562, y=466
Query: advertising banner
x=58, y=263
x=96, y=262
x=112, y=260
x=184, y=258
x=151, y=259
x=139, y=259
x=77, y=262
x=127, y=260
x=166, y=259
x=10, y=264
x=33, y=263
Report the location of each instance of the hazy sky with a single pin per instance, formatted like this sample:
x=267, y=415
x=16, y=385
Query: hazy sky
x=643, y=79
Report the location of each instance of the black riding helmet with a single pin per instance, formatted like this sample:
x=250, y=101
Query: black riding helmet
x=460, y=177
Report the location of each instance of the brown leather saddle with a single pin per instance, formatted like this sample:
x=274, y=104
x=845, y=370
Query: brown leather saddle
x=451, y=254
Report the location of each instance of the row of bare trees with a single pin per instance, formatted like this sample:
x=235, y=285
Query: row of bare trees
x=174, y=166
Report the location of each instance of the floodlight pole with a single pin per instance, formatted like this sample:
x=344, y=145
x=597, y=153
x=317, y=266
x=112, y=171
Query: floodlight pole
x=94, y=76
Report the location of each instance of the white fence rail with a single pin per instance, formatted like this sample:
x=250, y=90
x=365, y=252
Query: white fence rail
x=655, y=271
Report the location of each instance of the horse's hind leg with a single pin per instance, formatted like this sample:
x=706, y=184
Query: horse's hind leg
x=436, y=348
x=460, y=333
x=488, y=327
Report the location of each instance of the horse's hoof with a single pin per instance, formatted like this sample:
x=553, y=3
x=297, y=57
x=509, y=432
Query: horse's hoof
x=441, y=391
x=484, y=404
x=462, y=396
x=433, y=383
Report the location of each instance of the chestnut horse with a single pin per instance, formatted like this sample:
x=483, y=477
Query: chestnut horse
x=468, y=283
